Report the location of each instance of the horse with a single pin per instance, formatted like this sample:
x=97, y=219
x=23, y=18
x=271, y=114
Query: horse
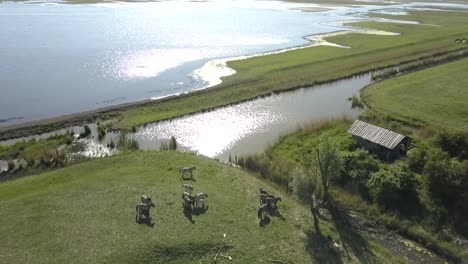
x=264, y=197
x=200, y=203
x=186, y=170
x=143, y=209
x=201, y=196
x=272, y=201
x=145, y=199
x=262, y=191
x=188, y=188
x=189, y=200
x=261, y=211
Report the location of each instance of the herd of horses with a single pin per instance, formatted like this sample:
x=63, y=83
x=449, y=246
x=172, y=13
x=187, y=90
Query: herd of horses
x=268, y=203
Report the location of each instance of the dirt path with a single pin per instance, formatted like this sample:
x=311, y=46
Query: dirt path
x=397, y=244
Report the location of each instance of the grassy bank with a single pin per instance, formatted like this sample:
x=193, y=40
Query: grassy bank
x=435, y=97
x=85, y=214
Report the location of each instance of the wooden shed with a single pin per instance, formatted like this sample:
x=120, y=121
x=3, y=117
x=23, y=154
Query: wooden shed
x=384, y=143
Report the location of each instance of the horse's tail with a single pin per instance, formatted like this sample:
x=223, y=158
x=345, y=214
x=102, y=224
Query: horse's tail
x=259, y=213
x=206, y=195
x=136, y=208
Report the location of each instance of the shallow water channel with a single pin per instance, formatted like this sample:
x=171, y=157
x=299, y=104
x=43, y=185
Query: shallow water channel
x=248, y=127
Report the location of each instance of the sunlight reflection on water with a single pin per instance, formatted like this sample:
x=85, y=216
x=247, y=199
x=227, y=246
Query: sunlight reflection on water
x=249, y=127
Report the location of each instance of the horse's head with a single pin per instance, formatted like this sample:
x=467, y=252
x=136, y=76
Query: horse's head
x=279, y=199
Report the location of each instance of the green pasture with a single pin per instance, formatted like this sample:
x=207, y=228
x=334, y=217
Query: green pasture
x=86, y=214
x=436, y=97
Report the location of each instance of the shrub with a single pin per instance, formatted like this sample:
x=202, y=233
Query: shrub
x=358, y=168
x=101, y=131
x=394, y=187
x=355, y=102
x=11, y=165
x=455, y=143
x=86, y=132
x=173, y=143
x=126, y=143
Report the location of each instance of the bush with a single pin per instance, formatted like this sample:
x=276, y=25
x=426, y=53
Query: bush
x=86, y=132
x=126, y=143
x=358, y=168
x=101, y=131
x=269, y=167
x=173, y=143
x=11, y=165
x=355, y=102
x=394, y=188
x=455, y=143
x=302, y=185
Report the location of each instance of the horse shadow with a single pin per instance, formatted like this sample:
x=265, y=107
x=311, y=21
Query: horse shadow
x=188, y=214
x=146, y=221
x=264, y=221
x=188, y=178
x=276, y=213
x=200, y=210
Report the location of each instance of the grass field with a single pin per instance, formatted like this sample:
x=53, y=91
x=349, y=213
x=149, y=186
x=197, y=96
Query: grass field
x=436, y=97
x=85, y=214
x=299, y=68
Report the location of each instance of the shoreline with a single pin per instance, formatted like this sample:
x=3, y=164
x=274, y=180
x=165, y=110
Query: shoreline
x=61, y=122
x=211, y=72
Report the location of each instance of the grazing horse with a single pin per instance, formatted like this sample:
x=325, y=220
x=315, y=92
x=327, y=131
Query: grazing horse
x=143, y=209
x=188, y=188
x=145, y=199
x=200, y=203
x=201, y=196
x=262, y=191
x=186, y=170
x=264, y=197
x=262, y=211
x=272, y=201
x=189, y=200
x=269, y=200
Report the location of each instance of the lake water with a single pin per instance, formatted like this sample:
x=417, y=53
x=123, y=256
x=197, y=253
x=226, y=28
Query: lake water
x=59, y=59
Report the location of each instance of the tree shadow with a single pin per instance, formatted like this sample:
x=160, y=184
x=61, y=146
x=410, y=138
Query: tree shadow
x=321, y=248
x=350, y=237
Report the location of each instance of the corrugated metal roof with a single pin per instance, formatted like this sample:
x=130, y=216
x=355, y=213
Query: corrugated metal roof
x=375, y=134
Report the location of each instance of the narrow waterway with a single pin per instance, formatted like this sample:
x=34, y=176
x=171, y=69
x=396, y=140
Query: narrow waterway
x=249, y=127
x=244, y=128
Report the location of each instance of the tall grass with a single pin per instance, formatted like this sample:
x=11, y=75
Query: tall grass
x=126, y=143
